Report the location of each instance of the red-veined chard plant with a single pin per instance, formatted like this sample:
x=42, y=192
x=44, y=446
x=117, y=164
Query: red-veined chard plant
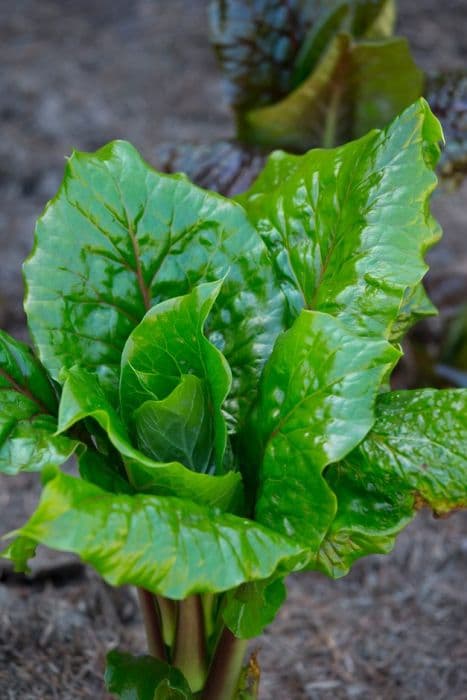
x=221, y=370
x=306, y=73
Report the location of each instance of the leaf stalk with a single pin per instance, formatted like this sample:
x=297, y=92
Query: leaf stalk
x=190, y=643
x=226, y=667
x=152, y=624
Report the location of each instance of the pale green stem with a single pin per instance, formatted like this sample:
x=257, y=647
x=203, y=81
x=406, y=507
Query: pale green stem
x=208, y=601
x=168, y=612
x=190, y=644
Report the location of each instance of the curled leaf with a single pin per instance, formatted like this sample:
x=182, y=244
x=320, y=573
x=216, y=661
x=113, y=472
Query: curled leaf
x=168, y=546
x=414, y=456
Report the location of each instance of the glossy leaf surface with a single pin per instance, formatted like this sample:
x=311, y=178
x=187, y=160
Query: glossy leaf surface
x=167, y=545
x=414, y=456
x=315, y=405
x=130, y=238
x=168, y=345
x=28, y=408
x=348, y=227
x=144, y=678
x=82, y=398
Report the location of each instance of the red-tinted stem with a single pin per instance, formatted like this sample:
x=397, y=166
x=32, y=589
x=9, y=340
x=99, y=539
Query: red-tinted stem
x=226, y=667
x=152, y=624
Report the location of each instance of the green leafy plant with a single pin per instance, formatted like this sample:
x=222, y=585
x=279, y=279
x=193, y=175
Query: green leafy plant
x=221, y=370
x=308, y=73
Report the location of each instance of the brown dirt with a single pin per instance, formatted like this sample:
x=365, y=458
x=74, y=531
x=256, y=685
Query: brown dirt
x=80, y=74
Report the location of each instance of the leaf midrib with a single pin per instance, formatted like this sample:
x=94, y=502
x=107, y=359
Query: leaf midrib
x=24, y=390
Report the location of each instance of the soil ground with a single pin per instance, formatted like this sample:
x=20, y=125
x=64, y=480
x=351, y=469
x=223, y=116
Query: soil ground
x=78, y=73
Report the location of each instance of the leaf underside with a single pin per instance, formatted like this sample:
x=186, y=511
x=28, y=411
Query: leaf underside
x=168, y=546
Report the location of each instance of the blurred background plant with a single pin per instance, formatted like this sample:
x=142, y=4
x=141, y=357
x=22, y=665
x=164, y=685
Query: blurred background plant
x=309, y=73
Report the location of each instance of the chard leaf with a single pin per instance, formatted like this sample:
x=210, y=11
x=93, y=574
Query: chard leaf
x=168, y=345
x=144, y=678
x=348, y=227
x=315, y=405
x=167, y=545
x=252, y=606
x=130, y=238
x=83, y=397
x=414, y=456
x=28, y=408
x=341, y=98
x=256, y=42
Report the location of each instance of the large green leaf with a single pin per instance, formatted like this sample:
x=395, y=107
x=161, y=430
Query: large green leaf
x=415, y=456
x=119, y=238
x=28, y=409
x=168, y=345
x=144, y=678
x=315, y=405
x=165, y=545
x=348, y=227
x=83, y=397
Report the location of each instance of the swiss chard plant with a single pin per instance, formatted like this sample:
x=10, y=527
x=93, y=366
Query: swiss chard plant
x=221, y=371
x=308, y=73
